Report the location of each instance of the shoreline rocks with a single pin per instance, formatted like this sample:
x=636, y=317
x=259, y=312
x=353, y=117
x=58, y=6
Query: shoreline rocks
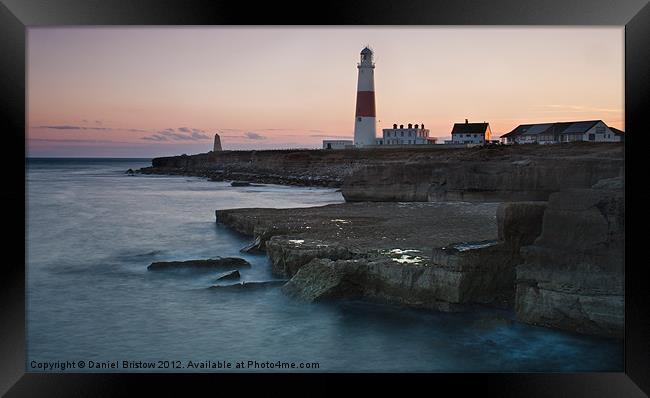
x=534, y=228
x=453, y=256
x=572, y=276
x=228, y=276
x=429, y=173
x=384, y=252
x=476, y=181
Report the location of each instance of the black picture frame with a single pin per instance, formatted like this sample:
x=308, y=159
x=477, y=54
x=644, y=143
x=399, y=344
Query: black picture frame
x=16, y=15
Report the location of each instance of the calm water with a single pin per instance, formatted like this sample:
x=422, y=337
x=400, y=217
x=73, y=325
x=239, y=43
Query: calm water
x=92, y=231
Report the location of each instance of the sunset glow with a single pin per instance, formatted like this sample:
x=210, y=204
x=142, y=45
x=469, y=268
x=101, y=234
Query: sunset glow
x=143, y=92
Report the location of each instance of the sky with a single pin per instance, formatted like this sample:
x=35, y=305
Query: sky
x=157, y=91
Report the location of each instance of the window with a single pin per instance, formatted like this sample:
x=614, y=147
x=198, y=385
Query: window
x=592, y=137
x=402, y=134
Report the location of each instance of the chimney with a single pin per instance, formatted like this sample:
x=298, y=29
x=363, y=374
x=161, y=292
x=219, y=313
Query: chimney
x=394, y=126
x=466, y=121
x=401, y=126
x=410, y=125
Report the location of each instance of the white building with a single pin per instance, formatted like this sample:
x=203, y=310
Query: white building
x=411, y=135
x=471, y=133
x=559, y=132
x=336, y=144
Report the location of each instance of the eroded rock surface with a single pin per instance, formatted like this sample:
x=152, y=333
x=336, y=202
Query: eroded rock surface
x=492, y=175
x=572, y=276
x=293, y=237
x=384, y=252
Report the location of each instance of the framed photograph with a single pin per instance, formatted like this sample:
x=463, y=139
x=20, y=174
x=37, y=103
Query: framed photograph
x=215, y=192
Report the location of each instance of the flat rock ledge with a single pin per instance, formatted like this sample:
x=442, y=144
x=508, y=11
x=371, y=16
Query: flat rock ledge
x=444, y=256
x=219, y=262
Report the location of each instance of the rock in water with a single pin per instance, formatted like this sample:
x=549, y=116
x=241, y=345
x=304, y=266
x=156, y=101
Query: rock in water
x=254, y=247
x=130, y=172
x=250, y=285
x=230, y=262
x=323, y=279
x=229, y=275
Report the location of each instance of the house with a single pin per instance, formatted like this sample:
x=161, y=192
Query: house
x=336, y=144
x=558, y=132
x=470, y=133
x=620, y=134
x=411, y=135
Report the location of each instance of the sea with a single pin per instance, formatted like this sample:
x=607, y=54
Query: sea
x=92, y=305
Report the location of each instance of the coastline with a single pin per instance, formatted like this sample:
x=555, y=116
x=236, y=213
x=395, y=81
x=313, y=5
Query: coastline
x=443, y=229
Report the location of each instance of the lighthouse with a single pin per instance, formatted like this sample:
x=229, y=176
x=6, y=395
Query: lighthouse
x=365, y=123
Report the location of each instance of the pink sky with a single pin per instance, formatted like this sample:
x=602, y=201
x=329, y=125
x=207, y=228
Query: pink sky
x=143, y=92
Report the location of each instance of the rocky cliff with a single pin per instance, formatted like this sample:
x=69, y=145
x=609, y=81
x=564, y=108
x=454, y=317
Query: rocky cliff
x=492, y=175
x=288, y=167
x=430, y=173
x=572, y=276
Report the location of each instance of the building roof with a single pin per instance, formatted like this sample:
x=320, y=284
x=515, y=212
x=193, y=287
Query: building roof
x=617, y=131
x=577, y=127
x=470, y=128
x=366, y=50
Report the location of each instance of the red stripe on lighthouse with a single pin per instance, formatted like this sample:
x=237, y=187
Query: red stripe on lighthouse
x=365, y=103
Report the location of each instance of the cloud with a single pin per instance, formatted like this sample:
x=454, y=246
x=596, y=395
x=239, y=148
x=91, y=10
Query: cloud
x=199, y=136
x=76, y=141
x=154, y=137
x=184, y=134
x=330, y=136
x=579, y=108
x=72, y=127
x=254, y=136
x=61, y=127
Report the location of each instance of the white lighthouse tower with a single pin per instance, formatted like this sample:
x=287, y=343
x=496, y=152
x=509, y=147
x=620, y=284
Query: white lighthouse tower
x=365, y=124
